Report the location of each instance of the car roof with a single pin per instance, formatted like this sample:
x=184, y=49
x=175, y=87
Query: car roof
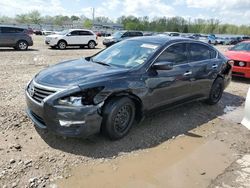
x=80, y=30
x=161, y=39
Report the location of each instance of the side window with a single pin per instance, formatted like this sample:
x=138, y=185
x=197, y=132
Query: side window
x=213, y=53
x=126, y=34
x=5, y=30
x=12, y=30
x=176, y=54
x=74, y=33
x=199, y=52
x=85, y=33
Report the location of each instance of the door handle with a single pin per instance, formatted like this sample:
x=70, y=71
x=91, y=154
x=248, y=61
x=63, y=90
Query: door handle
x=187, y=73
x=214, y=66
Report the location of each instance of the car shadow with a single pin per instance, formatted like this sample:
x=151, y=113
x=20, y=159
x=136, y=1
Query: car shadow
x=242, y=80
x=152, y=131
x=13, y=50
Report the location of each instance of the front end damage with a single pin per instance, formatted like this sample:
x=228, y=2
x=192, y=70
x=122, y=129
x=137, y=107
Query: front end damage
x=63, y=113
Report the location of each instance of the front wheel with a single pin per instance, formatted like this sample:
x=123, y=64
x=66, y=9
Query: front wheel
x=216, y=91
x=118, y=117
x=62, y=45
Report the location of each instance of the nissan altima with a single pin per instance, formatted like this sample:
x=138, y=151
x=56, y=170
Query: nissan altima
x=113, y=89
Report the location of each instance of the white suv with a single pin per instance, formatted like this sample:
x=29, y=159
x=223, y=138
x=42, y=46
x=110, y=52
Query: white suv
x=72, y=37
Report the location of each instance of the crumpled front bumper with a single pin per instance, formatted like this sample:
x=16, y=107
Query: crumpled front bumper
x=64, y=120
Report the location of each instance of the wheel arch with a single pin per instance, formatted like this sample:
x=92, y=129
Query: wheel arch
x=92, y=41
x=62, y=40
x=137, y=101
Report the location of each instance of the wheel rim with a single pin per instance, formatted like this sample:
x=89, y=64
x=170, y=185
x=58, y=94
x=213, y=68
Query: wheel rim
x=217, y=91
x=22, y=45
x=123, y=118
x=91, y=45
x=62, y=45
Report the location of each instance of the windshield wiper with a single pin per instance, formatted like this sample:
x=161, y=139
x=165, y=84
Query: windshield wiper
x=99, y=62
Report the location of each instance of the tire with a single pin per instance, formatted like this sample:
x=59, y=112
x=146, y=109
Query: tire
x=118, y=117
x=22, y=45
x=62, y=45
x=91, y=44
x=216, y=91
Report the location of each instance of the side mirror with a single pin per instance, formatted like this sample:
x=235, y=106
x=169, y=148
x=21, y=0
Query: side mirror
x=163, y=65
x=69, y=34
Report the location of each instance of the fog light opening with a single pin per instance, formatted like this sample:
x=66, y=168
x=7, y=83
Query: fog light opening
x=65, y=123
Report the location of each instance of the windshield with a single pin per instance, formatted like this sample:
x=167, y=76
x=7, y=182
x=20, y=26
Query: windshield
x=64, y=32
x=241, y=47
x=118, y=34
x=126, y=54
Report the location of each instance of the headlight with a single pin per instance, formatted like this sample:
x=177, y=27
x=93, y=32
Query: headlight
x=71, y=101
x=85, y=97
x=241, y=64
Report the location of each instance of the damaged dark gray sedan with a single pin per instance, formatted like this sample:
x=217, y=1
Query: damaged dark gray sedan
x=116, y=87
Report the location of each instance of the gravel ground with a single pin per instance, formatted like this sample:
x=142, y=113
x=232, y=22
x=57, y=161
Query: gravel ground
x=34, y=158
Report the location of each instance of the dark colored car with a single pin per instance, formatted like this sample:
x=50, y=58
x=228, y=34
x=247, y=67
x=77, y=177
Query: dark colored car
x=15, y=37
x=111, y=90
x=38, y=32
x=119, y=36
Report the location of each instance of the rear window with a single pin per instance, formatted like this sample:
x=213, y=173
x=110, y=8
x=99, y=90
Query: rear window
x=199, y=52
x=11, y=30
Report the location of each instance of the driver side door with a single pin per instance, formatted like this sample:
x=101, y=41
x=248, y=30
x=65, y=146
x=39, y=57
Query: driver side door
x=170, y=86
x=73, y=38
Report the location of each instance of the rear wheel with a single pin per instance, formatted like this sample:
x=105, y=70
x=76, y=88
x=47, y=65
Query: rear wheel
x=21, y=45
x=216, y=91
x=118, y=117
x=62, y=45
x=91, y=44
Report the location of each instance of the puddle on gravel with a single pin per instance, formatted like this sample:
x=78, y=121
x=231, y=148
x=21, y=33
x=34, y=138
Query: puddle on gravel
x=184, y=162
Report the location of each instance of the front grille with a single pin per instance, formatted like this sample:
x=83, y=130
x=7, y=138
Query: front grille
x=39, y=93
x=236, y=63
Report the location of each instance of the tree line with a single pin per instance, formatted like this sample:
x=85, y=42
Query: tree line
x=157, y=24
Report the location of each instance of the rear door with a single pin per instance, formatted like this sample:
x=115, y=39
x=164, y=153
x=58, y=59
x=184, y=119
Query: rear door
x=1, y=38
x=205, y=67
x=7, y=36
x=85, y=37
x=169, y=86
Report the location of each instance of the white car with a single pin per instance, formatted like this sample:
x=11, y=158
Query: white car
x=72, y=37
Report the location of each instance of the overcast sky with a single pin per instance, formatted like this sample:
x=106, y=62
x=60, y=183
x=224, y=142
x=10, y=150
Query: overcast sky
x=227, y=11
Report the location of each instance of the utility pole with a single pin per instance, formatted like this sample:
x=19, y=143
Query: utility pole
x=93, y=15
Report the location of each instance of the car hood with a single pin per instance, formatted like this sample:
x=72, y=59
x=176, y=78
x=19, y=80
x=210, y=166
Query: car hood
x=238, y=55
x=75, y=72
